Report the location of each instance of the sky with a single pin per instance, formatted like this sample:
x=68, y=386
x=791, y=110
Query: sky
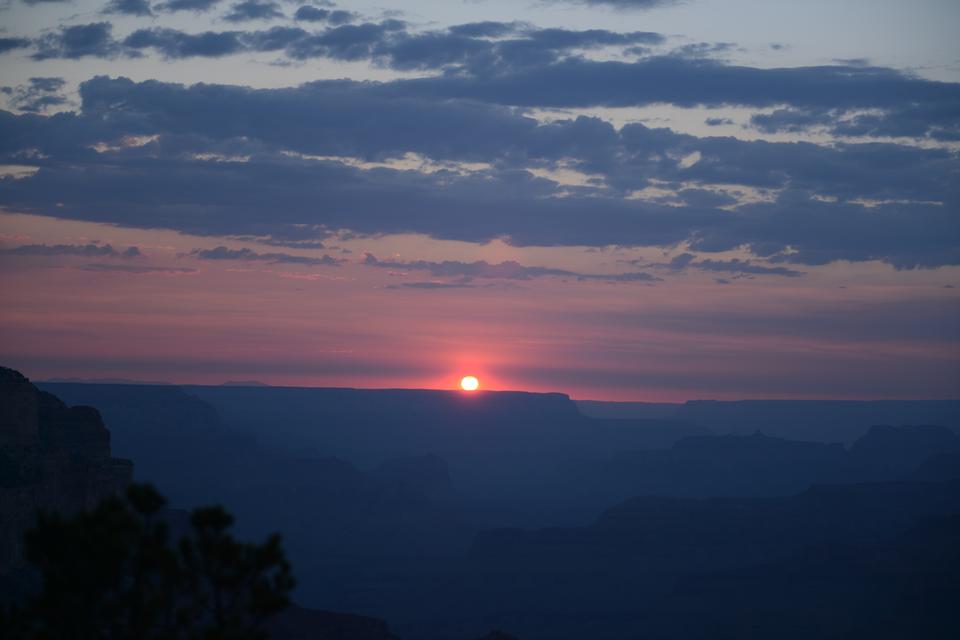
x=636, y=200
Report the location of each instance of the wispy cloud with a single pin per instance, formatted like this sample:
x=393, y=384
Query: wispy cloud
x=734, y=266
x=86, y=250
x=225, y=253
x=507, y=270
x=135, y=269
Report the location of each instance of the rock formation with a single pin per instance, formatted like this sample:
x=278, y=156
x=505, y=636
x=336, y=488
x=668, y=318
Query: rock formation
x=52, y=458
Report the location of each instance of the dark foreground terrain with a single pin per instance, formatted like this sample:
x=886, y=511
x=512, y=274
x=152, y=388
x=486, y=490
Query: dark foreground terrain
x=448, y=514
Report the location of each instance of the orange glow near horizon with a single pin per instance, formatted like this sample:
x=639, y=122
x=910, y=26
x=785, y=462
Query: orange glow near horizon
x=469, y=383
x=167, y=316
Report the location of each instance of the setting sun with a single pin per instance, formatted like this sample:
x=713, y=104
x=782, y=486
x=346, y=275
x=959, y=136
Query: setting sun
x=469, y=383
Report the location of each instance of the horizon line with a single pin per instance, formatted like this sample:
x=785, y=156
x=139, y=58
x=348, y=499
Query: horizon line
x=254, y=384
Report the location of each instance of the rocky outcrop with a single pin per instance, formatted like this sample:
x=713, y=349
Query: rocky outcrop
x=52, y=458
x=18, y=411
x=79, y=430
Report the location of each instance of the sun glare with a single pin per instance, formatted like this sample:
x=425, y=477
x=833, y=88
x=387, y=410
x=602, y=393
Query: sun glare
x=469, y=383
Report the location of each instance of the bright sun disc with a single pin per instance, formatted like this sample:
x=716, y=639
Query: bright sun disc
x=469, y=383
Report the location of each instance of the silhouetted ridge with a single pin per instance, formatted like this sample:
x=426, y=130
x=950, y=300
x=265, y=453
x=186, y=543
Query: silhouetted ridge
x=889, y=450
x=651, y=525
x=79, y=429
x=56, y=458
x=12, y=377
x=806, y=511
x=816, y=420
x=53, y=457
x=634, y=573
x=756, y=465
x=390, y=502
x=525, y=437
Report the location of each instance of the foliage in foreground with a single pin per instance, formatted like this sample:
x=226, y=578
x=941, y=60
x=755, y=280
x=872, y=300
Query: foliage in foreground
x=114, y=573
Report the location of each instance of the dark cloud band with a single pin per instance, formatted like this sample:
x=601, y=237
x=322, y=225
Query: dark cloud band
x=239, y=161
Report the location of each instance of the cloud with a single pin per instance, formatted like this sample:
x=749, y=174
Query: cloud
x=487, y=29
x=939, y=122
x=735, y=266
x=626, y=5
x=37, y=95
x=519, y=65
x=687, y=82
x=94, y=39
x=702, y=49
x=10, y=44
x=637, y=276
x=507, y=270
x=308, y=13
x=791, y=120
x=253, y=10
x=928, y=320
x=468, y=46
x=211, y=148
x=273, y=39
x=224, y=253
x=47, y=85
x=129, y=7
x=132, y=269
x=432, y=285
x=345, y=42
x=86, y=250
x=176, y=44
x=515, y=64
x=321, y=118
x=187, y=5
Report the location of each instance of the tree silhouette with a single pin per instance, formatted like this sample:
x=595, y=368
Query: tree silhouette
x=114, y=574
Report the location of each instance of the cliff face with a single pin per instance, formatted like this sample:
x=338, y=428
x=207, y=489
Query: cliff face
x=52, y=458
x=18, y=411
